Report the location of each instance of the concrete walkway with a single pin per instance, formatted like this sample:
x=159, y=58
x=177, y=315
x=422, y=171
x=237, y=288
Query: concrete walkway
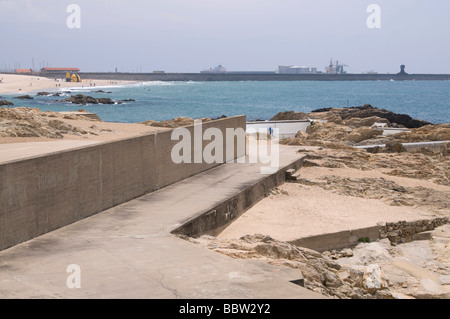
x=129, y=252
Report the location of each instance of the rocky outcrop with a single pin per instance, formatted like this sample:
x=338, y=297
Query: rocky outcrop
x=368, y=111
x=31, y=122
x=368, y=121
x=321, y=273
x=440, y=132
x=101, y=91
x=290, y=115
x=365, y=115
x=5, y=103
x=176, y=122
x=24, y=97
x=43, y=93
x=85, y=99
x=126, y=100
x=363, y=133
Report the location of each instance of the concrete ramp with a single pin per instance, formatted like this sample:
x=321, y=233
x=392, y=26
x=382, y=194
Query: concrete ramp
x=129, y=252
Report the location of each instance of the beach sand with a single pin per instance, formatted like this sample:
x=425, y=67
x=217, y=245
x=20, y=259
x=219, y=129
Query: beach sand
x=12, y=83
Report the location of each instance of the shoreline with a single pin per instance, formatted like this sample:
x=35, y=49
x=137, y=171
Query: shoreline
x=17, y=84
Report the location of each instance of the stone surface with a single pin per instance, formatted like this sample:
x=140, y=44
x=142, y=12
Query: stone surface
x=32, y=122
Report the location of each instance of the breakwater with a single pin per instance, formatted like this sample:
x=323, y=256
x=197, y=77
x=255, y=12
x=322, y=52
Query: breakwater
x=251, y=77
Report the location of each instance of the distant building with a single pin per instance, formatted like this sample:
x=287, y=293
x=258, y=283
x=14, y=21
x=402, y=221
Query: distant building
x=23, y=71
x=294, y=69
x=59, y=70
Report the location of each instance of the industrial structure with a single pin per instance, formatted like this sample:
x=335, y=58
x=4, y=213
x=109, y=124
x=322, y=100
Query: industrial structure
x=336, y=68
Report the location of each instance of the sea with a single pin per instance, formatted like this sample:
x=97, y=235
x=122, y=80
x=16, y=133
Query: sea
x=425, y=100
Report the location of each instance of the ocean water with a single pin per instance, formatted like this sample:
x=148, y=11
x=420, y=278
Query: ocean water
x=426, y=100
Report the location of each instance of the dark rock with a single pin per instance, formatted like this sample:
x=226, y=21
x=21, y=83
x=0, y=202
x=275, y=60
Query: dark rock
x=220, y=117
x=4, y=102
x=84, y=99
x=326, y=109
x=101, y=91
x=43, y=93
x=368, y=110
x=24, y=97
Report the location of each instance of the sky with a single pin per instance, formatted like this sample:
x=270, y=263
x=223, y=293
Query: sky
x=241, y=35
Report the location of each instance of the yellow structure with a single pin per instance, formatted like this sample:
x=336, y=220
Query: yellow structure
x=72, y=77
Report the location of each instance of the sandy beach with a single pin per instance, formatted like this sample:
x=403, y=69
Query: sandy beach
x=14, y=83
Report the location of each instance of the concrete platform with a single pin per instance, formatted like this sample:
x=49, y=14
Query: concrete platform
x=129, y=251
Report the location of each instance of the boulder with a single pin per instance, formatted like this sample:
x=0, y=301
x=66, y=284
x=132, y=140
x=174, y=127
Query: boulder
x=374, y=279
x=85, y=99
x=363, y=133
x=395, y=147
x=289, y=115
x=5, y=103
x=368, y=121
x=24, y=97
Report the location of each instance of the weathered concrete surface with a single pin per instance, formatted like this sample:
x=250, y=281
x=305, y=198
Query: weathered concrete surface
x=220, y=216
x=21, y=151
x=129, y=252
x=42, y=193
x=338, y=240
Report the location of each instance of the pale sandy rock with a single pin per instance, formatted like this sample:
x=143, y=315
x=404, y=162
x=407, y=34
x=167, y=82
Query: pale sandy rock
x=363, y=133
x=368, y=121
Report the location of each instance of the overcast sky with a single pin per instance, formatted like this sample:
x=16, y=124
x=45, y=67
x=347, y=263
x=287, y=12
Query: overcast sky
x=242, y=35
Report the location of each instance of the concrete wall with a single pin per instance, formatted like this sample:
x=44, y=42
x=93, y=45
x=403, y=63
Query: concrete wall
x=339, y=240
x=44, y=193
x=285, y=128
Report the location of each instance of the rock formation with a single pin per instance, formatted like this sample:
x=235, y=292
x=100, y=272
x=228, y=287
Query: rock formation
x=176, y=122
x=24, y=97
x=5, y=103
x=84, y=99
x=32, y=122
x=348, y=116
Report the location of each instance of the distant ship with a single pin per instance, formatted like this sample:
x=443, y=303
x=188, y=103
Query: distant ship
x=217, y=69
